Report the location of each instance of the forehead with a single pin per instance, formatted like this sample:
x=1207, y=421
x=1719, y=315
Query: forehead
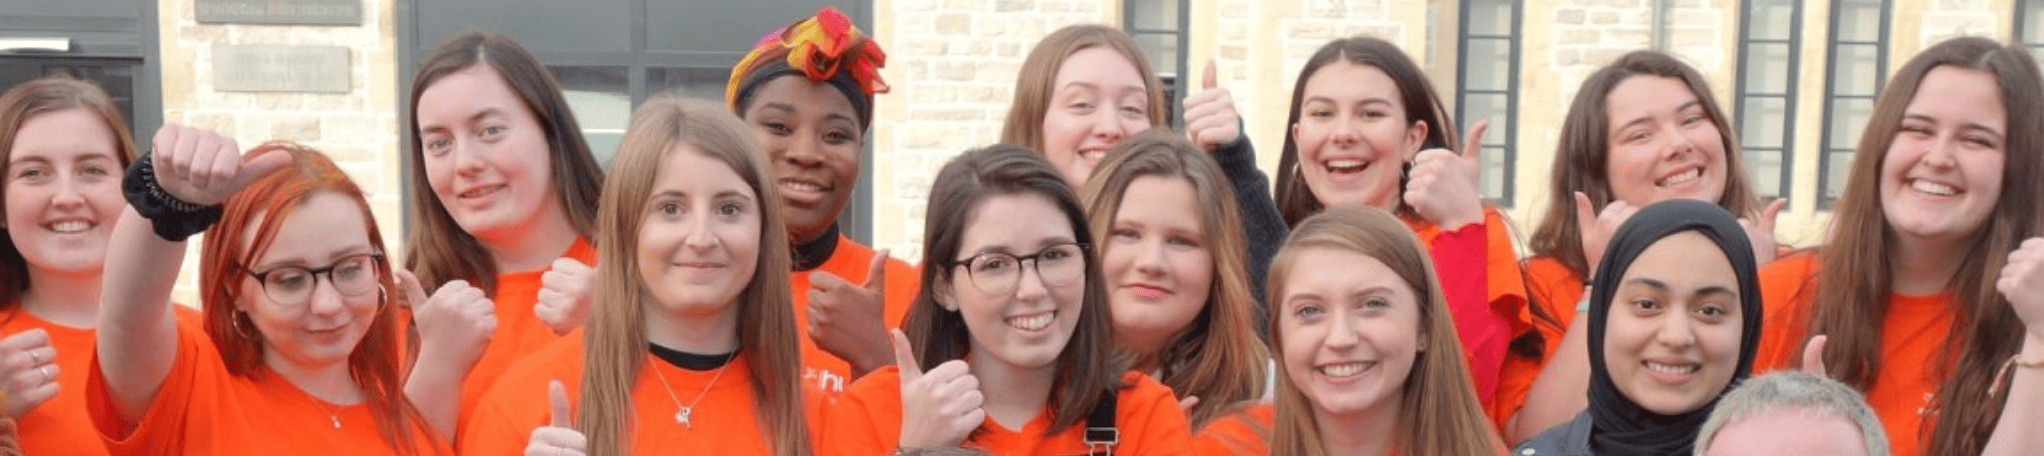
x=1333, y=270
x=1960, y=95
x=802, y=95
x=689, y=169
x=1644, y=94
x=466, y=92
x=325, y=224
x=69, y=131
x=1160, y=198
x=1684, y=258
x=1099, y=65
x=1018, y=222
x=1343, y=81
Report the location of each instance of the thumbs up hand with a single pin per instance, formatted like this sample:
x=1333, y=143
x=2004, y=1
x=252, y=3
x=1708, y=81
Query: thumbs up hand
x=1445, y=187
x=558, y=437
x=1210, y=118
x=939, y=408
x=203, y=168
x=847, y=319
x=1597, y=227
x=566, y=291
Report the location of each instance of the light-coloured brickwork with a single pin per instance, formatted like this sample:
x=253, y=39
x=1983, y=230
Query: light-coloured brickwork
x=357, y=129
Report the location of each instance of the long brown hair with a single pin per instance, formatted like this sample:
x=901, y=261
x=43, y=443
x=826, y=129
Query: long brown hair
x=1856, y=276
x=1218, y=357
x=1088, y=367
x=1422, y=104
x=614, y=351
x=1585, y=149
x=33, y=98
x=249, y=223
x=437, y=249
x=1034, y=84
x=1438, y=410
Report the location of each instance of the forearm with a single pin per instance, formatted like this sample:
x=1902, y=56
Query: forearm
x=1558, y=394
x=137, y=335
x=2023, y=413
x=434, y=386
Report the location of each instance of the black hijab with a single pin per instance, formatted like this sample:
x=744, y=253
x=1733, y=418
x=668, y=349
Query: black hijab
x=1618, y=425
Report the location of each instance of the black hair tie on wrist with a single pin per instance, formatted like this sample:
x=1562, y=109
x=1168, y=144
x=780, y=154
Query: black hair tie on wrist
x=173, y=219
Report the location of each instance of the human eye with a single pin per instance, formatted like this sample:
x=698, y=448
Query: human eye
x=778, y=128
x=34, y=173
x=1376, y=304
x=1308, y=311
x=840, y=137
x=730, y=208
x=993, y=263
x=667, y=208
x=1182, y=241
x=287, y=279
x=1125, y=234
x=437, y=145
x=1644, y=304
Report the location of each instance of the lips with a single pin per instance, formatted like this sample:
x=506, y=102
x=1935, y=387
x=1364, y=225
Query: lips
x=804, y=191
x=1146, y=291
x=1343, y=372
x=1925, y=186
x=1345, y=166
x=1031, y=322
x=1680, y=178
x=69, y=226
x=1669, y=371
x=481, y=191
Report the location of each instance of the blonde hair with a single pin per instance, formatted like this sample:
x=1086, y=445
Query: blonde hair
x=1438, y=410
x=615, y=341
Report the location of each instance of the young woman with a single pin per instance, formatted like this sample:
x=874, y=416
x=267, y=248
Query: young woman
x=1368, y=130
x=810, y=111
x=693, y=344
x=1674, y=321
x=1642, y=130
x=502, y=195
x=1942, y=188
x=65, y=146
x=1176, y=275
x=1084, y=88
x=1012, y=320
x=302, y=346
x=1369, y=362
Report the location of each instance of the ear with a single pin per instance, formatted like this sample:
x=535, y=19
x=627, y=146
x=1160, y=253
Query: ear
x=1415, y=139
x=1294, y=131
x=1422, y=341
x=943, y=295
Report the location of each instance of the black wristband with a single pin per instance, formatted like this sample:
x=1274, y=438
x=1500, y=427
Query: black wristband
x=173, y=219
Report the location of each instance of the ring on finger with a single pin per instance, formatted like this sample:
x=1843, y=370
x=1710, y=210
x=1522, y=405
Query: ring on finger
x=34, y=359
x=47, y=378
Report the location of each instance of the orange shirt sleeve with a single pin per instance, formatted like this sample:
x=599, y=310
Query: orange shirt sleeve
x=1485, y=328
x=1553, y=289
x=188, y=391
x=1149, y=413
x=62, y=425
x=1246, y=432
x=866, y=420
x=1787, y=291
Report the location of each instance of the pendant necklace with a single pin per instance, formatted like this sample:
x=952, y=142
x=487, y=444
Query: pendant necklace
x=681, y=417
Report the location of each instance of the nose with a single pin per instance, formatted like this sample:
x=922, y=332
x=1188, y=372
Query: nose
x=1107, y=126
x=697, y=234
x=1677, y=331
x=467, y=157
x=802, y=150
x=325, y=299
x=1149, y=260
x=1030, y=284
x=1342, y=330
x=1348, y=132
x=68, y=193
x=1938, y=153
x=1678, y=143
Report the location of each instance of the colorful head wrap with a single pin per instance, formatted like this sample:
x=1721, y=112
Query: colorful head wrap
x=825, y=48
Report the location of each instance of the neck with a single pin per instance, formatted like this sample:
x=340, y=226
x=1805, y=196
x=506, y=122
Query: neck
x=1148, y=348
x=1023, y=391
x=535, y=245
x=1924, y=266
x=330, y=382
x=1366, y=433
x=705, y=333
x=70, y=300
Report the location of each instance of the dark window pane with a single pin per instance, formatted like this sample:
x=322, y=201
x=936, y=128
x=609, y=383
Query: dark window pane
x=704, y=83
x=1163, y=51
x=1489, y=17
x=1494, y=107
x=115, y=76
x=1154, y=14
x=602, y=105
x=540, y=25
x=2033, y=20
x=725, y=27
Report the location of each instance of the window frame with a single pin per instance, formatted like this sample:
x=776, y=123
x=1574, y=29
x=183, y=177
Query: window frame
x=1500, y=143
x=1741, y=91
x=1176, y=85
x=1832, y=45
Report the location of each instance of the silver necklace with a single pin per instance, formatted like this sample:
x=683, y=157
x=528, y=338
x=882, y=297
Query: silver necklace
x=681, y=417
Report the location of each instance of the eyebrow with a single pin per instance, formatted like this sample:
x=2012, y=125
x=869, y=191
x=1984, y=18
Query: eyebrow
x=1366, y=101
x=1966, y=126
x=84, y=158
x=335, y=255
x=486, y=112
x=1650, y=117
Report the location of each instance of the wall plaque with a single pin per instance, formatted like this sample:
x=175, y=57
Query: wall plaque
x=281, y=12
x=278, y=68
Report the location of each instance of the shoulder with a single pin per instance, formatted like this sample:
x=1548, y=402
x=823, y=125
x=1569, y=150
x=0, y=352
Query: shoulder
x=526, y=379
x=1569, y=439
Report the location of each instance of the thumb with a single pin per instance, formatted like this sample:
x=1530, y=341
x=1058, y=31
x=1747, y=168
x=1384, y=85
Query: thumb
x=259, y=167
x=1586, y=216
x=1772, y=212
x=876, y=273
x=1472, y=144
x=557, y=396
x=1207, y=79
x=408, y=283
x=905, y=357
x=1813, y=356
x=1185, y=405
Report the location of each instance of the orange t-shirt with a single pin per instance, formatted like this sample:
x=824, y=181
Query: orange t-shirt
x=1485, y=328
x=1246, y=432
x=519, y=331
x=1912, y=347
x=821, y=370
x=60, y=425
x=202, y=409
x=723, y=421
x=867, y=421
x=1556, y=289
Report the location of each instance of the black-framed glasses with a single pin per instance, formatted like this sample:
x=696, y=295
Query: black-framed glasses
x=292, y=286
x=999, y=273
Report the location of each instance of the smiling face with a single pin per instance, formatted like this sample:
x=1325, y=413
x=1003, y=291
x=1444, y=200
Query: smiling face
x=1671, y=341
x=324, y=329
x=698, y=245
x=1348, y=331
x=486, y=156
x=812, y=134
x=63, y=191
x=1663, y=144
x=1353, y=136
x=1942, y=175
x=1097, y=98
x=1029, y=326
x=1157, y=260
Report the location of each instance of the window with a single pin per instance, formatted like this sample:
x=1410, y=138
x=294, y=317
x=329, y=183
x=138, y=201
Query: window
x=1765, y=99
x=1159, y=26
x=2030, y=26
x=1858, y=62
x=1484, y=84
x=610, y=55
x=107, y=42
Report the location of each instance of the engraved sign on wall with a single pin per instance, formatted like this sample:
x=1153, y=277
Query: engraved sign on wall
x=278, y=68
x=281, y=12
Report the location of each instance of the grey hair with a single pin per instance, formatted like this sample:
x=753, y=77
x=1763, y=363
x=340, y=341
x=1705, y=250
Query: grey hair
x=1791, y=392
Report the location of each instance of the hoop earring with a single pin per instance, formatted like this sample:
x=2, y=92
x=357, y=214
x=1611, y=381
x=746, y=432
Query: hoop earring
x=235, y=321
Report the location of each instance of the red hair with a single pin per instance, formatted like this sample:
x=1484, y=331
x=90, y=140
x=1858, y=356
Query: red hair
x=255, y=214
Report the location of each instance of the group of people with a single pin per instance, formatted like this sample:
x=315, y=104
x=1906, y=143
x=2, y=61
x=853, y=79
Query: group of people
x=1096, y=284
